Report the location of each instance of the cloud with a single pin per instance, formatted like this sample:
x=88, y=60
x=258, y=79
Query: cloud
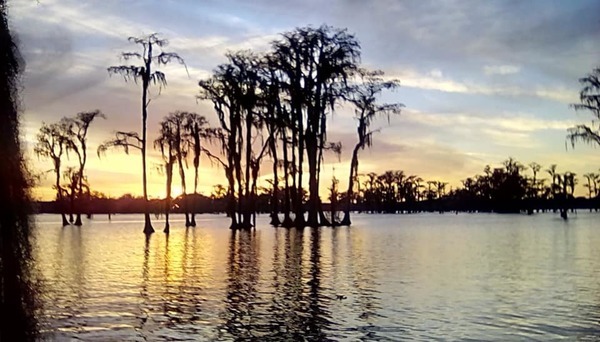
x=434, y=80
x=519, y=122
x=437, y=73
x=501, y=69
x=81, y=19
x=480, y=80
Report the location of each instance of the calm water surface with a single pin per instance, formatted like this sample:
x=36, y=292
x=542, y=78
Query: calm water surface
x=387, y=278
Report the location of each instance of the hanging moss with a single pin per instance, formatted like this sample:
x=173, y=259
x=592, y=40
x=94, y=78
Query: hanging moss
x=17, y=290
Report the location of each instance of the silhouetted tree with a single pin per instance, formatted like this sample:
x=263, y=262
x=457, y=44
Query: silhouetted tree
x=589, y=97
x=78, y=129
x=534, y=189
x=71, y=176
x=234, y=90
x=316, y=63
x=334, y=197
x=565, y=190
x=219, y=192
x=148, y=76
x=275, y=124
x=52, y=142
x=181, y=145
x=197, y=130
x=592, y=184
x=166, y=142
x=552, y=172
x=364, y=98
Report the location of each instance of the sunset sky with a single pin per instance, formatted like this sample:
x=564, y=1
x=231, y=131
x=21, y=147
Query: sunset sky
x=481, y=80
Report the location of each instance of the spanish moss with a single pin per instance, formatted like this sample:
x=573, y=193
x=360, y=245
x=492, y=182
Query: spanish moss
x=17, y=293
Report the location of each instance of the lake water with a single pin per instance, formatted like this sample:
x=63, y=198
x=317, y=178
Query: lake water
x=388, y=277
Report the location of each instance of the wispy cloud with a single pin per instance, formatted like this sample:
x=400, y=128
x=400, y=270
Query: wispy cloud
x=501, y=69
x=435, y=80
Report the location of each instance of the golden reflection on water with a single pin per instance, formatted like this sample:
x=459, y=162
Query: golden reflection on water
x=419, y=277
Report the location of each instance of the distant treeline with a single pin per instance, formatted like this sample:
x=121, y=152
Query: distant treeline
x=203, y=204
x=512, y=188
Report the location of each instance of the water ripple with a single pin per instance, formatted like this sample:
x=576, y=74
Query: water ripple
x=387, y=278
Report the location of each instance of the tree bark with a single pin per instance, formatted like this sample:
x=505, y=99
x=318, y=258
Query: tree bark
x=287, y=220
x=169, y=171
x=311, y=154
x=275, y=194
x=81, y=167
x=148, y=229
x=299, y=219
x=353, y=171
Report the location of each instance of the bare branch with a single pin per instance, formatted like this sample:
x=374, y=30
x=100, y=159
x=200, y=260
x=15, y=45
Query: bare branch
x=214, y=157
x=126, y=140
x=589, y=101
x=584, y=134
x=128, y=55
x=129, y=72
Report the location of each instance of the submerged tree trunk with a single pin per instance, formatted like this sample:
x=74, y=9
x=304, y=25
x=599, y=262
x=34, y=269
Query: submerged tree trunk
x=78, y=221
x=183, y=187
x=247, y=212
x=299, y=219
x=252, y=206
x=71, y=205
x=196, y=165
x=240, y=193
x=323, y=221
x=80, y=185
x=287, y=220
x=275, y=194
x=59, y=194
x=313, y=202
x=231, y=198
x=169, y=172
x=353, y=171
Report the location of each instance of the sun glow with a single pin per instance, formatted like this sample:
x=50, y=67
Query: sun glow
x=176, y=191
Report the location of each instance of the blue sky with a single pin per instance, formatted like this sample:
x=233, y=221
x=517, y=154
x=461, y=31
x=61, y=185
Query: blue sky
x=481, y=80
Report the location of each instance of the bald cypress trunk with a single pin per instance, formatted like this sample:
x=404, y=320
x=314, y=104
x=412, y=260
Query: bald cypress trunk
x=275, y=195
x=287, y=220
x=353, y=171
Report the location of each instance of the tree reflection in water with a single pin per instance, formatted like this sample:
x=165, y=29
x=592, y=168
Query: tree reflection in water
x=243, y=274
x=294, y=307
x=144, y=311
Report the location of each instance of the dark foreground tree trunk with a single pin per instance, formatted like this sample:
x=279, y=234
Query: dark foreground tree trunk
x=17, y=291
